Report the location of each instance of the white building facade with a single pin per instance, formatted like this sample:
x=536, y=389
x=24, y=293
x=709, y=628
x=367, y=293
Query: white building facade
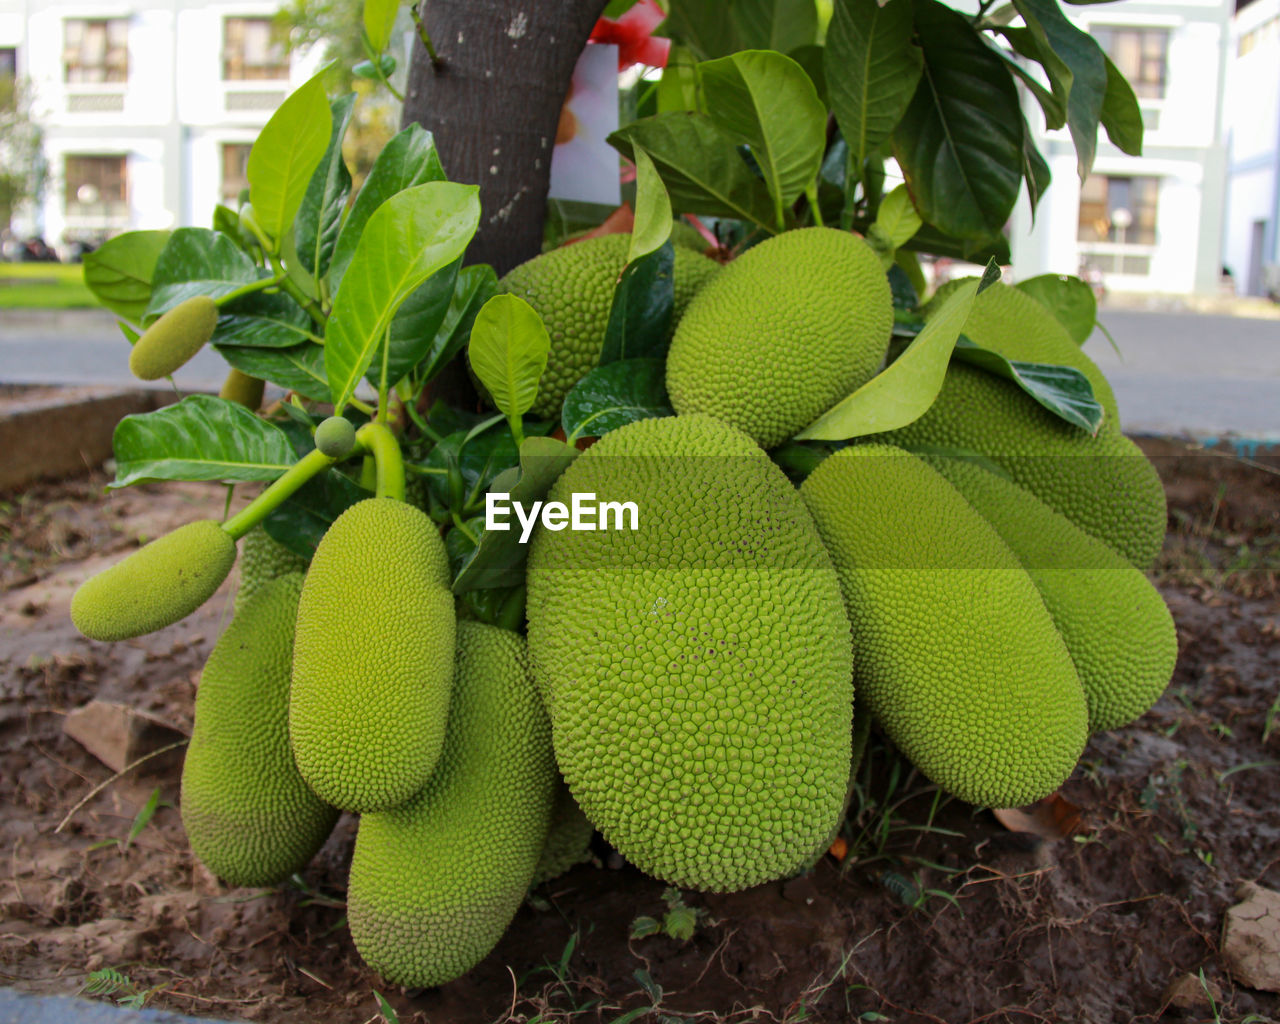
x=1150, y=223
x=1251, y=244
x=148, y=107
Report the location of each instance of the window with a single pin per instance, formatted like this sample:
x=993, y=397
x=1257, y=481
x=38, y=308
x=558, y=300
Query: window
x=251, y=52
x=96, y=187
x=1121, y=210
x=235, y=175
x=95, y=50
x=8, y=79
x=1267, y=32
x=1140, y=54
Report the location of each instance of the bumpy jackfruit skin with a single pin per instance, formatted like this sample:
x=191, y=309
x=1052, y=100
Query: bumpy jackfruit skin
x=373, y=657
x=697, y=671
x=243, y=389
x=159, y=584
x=1103, y=484
x=957, y=657
x=262, y=559
x=571, y=288
x=174, y=338
x=568, y=839
x=435, y=883
x=249, y=816
x=782, y=333
x=1116, y=625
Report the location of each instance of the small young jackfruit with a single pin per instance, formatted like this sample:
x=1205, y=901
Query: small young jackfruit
x=155, y=586
x=174, y=339
x=373, y=657
x=435, y=883
x=248, y=814
x=262, y=559
x=243, y=389
x=336, y=437
x=955, y=654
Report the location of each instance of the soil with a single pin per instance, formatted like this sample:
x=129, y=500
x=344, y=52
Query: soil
x=937, y=913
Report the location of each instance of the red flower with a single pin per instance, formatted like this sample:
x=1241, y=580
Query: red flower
x=633, y=35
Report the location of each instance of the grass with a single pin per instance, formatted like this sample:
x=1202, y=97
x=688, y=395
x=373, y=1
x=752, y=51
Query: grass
x=44, y=286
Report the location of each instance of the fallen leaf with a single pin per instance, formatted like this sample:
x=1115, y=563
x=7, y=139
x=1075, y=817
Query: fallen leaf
x=1251, y=938
x=1054, y=817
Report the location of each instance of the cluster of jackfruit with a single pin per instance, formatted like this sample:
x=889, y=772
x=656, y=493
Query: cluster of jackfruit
x=688, y=688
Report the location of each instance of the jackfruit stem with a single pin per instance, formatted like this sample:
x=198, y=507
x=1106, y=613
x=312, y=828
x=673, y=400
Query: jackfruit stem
x=379, y=441
x=311, y=464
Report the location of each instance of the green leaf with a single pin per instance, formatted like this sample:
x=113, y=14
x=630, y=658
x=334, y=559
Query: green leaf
x=702, y=26
x=897, y=218
x=678, y=87
x=286, y=154
x=872, y=68
x=612, y=396
x=960, y=141
x=199, y=438
x=408, y=159
x=640, y=316
x=414, y=327
x=929, y=239
x=1121, y=115
x=508, y=352
x=903, y=392
x=1035, y=170
x=780, y=25
x=385, y=1008
x=320, y=215
x=1069, y=299
x=306, y=515
x=1035, y=46
x=476, y=459
x=499, y=558
x=644, y=926
x=300, y=368
x=475, y=285
x=701, y=167
x=375, y=72
x=119, y=272
x=143, y=818
x=408, y=238
x=653, y=209
x=766, y=100
x=1063, y=390
x=263, y=320
x=680, y=923
x=379, y=20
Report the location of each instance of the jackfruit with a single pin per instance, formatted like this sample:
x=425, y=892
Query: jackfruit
x=248, y=814
x=571, y=288
x=243, y=389
x=373, y=657
x=782, y=334
x=435, y=883
x=1103, y=484
x=157, y=585
x=1115, y=624
x=697, y=671
x=262, y=559
x=568, y=838
x=174, y=339
x=957, y=657
x=336, y=437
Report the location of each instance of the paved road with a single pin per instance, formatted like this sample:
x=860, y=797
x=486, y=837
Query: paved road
x=1195, y=374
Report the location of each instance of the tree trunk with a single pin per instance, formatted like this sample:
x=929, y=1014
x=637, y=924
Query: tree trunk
x=493, y=100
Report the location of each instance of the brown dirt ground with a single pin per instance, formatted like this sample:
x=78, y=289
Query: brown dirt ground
x=938, y=913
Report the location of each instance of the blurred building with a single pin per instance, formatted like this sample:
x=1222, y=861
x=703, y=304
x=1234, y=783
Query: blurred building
x=149, y=107
x=1251, y=247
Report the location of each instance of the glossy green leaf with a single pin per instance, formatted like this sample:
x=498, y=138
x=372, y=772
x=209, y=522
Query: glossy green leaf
x=408, y=159
x=678, y=86
x=810, y=58
x=640, y=316
x=409, y=237
x=306, y=515
x=1063, y=390
x=972, y=250
x=1034, y=170
x=897, y=218
x=1121, y=115
x=414, y=327
x=379, y=20
x=1069, y=299
x=320, y=215
x=872, y=68
x=765, y=100
x=780, y=25
x=286, y=154
x=199, y=438
x=702, y=26
x=612, y=396
x=1035, y=46
x=903, y=392
x=959, y=144
x=300, y=368
x=197, y=261
x=475, y=459
x=375, y=72
x=508, y=352
x=701, y=167
x=119, y=272
x=475, y=285
x=499, y=559
x=263, y=321
x=653, y=209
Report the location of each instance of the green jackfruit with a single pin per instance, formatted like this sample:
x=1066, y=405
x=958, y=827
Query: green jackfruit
x=697, y=671
x=262, y=559
x=568, y=839
x=1115, y=624
x=782, y=333
x=956, y=656
x=373, y=657
x=571, y=288
x=336, y=437
x=157, y=585
x=174, y=339
x=243, y=389
x=249, y=816
x=435, y=883
x=1103, y=484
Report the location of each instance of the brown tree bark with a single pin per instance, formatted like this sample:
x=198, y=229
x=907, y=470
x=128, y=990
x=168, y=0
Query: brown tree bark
x=493, y=100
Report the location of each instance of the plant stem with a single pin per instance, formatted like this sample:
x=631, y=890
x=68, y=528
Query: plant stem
x=466, y=531
x=291, y=289
x=249, y=289
x=422, y=34
x=273, y=497
x=384, y=397
x=811, y=193
x=376, y=60
x=377, y=439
